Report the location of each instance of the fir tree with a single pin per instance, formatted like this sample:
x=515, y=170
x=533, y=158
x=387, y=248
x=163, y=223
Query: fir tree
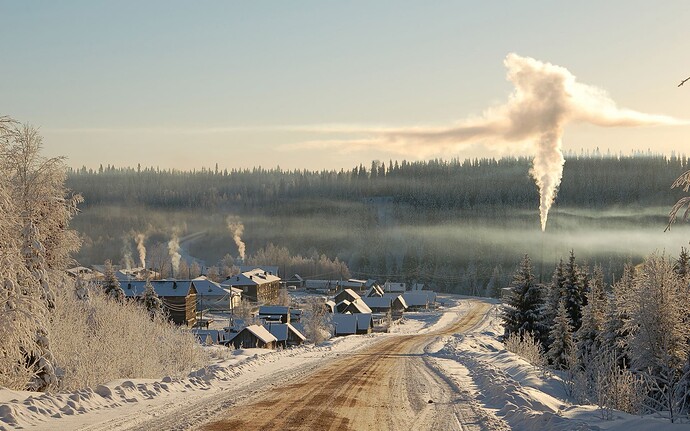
x=522, y=311
x=682, y=265
x=561, y=336
x=574, y=289
x=151, y=300
x=111, y=285
x=555, y=293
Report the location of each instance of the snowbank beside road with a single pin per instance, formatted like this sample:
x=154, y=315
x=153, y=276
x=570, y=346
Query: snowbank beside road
x=517, y=394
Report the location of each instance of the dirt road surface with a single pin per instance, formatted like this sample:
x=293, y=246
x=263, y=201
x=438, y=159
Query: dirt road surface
x=390, y=385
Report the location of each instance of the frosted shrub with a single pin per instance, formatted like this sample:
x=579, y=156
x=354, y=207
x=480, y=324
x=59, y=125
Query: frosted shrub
x=316, y=320
x=99, y=339
x=528, y=347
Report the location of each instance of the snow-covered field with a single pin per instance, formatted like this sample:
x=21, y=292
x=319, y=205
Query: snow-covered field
x=503, y=390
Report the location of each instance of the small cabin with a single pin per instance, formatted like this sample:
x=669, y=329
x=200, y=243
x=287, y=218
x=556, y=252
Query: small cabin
x=178, y=297
x=286, y=334
x=346, y=294
x=253, y=336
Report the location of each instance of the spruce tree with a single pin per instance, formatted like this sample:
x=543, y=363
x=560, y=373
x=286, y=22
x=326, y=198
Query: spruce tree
x=682, y=265
x=561, y=336
x=522, y=311
x=575, y=289
x=151, y=300
x=111, y=285
x=555, y=293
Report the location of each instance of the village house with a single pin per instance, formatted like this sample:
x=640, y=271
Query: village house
x=346, y=294
x=390, y=287
x=286, y=334
x=85, y=274
x=356, y=307
x=257, y=285
x=209, y=336
x=351, y=324
x=275, y=313
x=178, y=298
x=212, y=296
x=271, y=269
x=395, y=305
x=253, y=336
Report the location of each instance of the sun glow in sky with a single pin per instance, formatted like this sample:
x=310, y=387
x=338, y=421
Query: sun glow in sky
x=190, y=84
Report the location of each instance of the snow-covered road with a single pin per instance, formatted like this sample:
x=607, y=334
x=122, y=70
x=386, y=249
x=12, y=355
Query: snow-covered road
x=388, y=385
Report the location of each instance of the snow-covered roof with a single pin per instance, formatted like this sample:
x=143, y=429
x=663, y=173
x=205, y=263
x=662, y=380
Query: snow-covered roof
x=394, y=287
x=320, y=284
x=274, y=309
x=354, y=280
x=273, y=270
x=202, y=334
x=281, y=330
x=374, y=291
x=259, y=332
x=161, y=287
x=254, y=277
x=378, y=302
x=331, y=304
x=358, y=307
x=345, y=324
x=415, y=299
x=204, y=286
x=348, y=293
x=402, y=301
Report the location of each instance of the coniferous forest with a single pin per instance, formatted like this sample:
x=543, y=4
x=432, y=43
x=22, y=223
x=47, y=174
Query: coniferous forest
x=457, y=225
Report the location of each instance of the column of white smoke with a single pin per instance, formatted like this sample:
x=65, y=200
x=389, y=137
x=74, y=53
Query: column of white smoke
x=174, y=252
x=236, y=229
x=139, y=238
x=546, y=98
x=127, y=253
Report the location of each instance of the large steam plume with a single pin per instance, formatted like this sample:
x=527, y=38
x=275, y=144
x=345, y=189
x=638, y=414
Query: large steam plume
x=546, y=98
x=174, y=252
x=236, y=229
x=139, y=238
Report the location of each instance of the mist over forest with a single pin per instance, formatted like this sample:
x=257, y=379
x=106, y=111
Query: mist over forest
x=457, y=225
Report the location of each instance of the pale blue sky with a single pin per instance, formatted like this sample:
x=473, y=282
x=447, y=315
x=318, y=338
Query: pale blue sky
x=191, y=84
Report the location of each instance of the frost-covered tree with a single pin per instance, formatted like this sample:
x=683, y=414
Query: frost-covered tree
x=561, y=336
x=316, y=320
x=593, y=314
x=111, y=285
x=522, y=310
x=555, y=292
x=659, y=330
x=151, y=300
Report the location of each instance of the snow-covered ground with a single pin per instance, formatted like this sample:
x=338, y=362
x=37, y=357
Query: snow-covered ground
x=500, y=388
x=235, y=375
x=514, y=394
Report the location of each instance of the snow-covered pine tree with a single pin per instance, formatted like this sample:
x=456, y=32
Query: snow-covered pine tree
x=151, y=300
x=589, y=334
x=575, y=290
x=111, y=285
x=522, y=311
x=561, y=336
x=555, y=292
x=682, y=265
x=613, y=336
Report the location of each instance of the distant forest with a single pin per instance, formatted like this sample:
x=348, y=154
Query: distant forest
x=459, y=225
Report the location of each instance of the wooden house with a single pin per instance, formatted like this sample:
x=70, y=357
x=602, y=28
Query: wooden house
x=286, y=334
x=346, y=294
x=351, y=324
x=178, y=297
x=275, y=313
x=257, y=285
x=390, y=287
x=253, y=336
x=356, y=307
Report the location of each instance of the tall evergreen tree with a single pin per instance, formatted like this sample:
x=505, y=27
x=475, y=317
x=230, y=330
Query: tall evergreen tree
x=522, y=311
x=111, y=285
x=561, y=336
x=575, y=291
x=682, y=265
x=151, y=300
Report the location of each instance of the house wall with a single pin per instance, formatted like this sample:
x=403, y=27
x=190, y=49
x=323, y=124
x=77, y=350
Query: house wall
x=266, y=293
